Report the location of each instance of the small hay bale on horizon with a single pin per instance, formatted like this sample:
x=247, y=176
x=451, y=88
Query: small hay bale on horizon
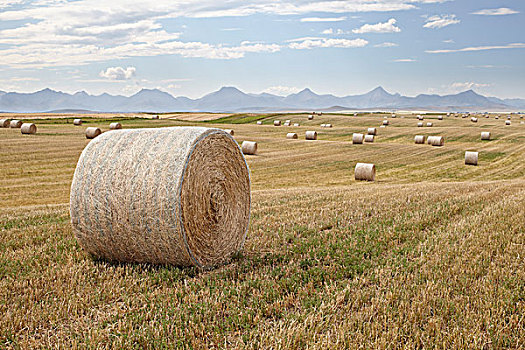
x=115, y=126
x=365, y=172
x=77, y=122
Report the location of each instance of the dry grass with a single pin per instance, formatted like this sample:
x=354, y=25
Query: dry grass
x=430, y=255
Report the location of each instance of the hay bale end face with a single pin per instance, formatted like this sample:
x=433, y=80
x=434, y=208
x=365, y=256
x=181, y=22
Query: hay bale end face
x=28, y=129
x=485, y=135
x=365, y=172
x=4, y=123
x=184, y=201
x=419, y=139
x=276, y=123
x=229, y=131
x=93, y=132
x=369, y=138
x=15, y=124
x=311, y=135
x=372, y=131
x=249, y=147
x=77, y=122
x=436, y=141
x=471, y=158
x=291, y=135
x=357, y=139
x=115, y=126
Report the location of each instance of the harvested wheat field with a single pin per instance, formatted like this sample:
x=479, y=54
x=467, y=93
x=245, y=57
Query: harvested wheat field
x=430, y=255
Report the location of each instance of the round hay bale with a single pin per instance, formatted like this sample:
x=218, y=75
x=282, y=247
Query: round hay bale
x=393, y=115
x=310, y=117
x=471, y=158
x=369, y=138
x=507, y=122
x=229, y=131
x=28, y=129
x=249, y=147
x=420, y=117
x=115, y=126
x=436, y=141
x=386, y=122
x=508, y=117
x=296, y=124
x=310, y=135
x=474, y=119
x=15, y=124
x=420, y=124
x=429, y=124
x=496, y=117
x=4, y=123
x=178, y=195
x=419, y=139
x=487, y=116
x=155, y=117
x=440, y=117
x=276, y=123
x=485, y=135
x=382, y=126
x=291, y=135
x=328, y=125
x=259, y=122
x=286, y=124
x=357, y=139
x=92, y=132
x=365, y=172
x=372, y=131
x=77, y=122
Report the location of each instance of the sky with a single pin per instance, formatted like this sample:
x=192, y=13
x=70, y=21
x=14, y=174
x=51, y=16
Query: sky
x=191, y=48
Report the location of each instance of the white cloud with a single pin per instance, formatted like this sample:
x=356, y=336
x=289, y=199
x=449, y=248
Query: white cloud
x=118, y=73
x=325, y=43
x=323, y=19
x=387, y=27
x=404, y=60
x=435, y=22
x=496, y=12
x=330, y=31
x=386, y=44
x=449, y=41
x=282, y=90
x=482, y=48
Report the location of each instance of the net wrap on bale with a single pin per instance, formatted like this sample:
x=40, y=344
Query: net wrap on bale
x=176, y=196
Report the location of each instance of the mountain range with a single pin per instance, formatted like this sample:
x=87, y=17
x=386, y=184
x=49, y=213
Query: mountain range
x=231, y=99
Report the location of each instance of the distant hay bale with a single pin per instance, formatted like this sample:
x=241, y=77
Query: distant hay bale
x=369, y=138
x=420, y=117
x=28, y=129
x=15, y=124
x=155, y=117
x=291, y=135
x=429, y=124
x=229, y=131
x=393, y=115
x=436, y=141
x=249, y=147
x=326, y=125
x=508, y=117
x=310, y=117
x=259, y=122
x=276, y=123
x=311, y=135
x=485, y=135
x=77, y=122
x=496, y=117
x=486, y=116
x=440, y=117
x=296, y=124
x=474, y=119
x=178, y=196
x=372, y=131
x=419, y=139
x=115, y=126
x=507, y=122
x=382, y=126
x=286, y=123
x=357, y=139
x=420, y=124
x=365, y=172
x=471, y=158
x=386, y=122
x=4, y=123
x=92, y=132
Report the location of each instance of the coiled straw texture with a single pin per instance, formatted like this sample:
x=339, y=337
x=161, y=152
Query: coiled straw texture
x=176, y=196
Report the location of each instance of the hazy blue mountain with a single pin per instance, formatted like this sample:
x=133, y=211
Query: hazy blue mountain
x=231, y=99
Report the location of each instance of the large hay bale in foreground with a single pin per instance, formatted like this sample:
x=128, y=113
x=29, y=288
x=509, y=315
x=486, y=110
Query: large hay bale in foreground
x=291, y=135
x=249, y=147
x=92, y=132
x=15, y=124
x=177, y=195
x=357, y=139
x=365, y=171
x=28, y=129
x=115, y=126
x=310, y=135
x=4, y=123
x=77, y=122
x=436, y=141
x=369, y=138
x=372, y=131
x=485, y=135
x=471, y=158
x=419, y=139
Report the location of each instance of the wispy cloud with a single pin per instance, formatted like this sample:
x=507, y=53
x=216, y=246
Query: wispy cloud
x=405, y=60
x=323, y=19
x=386, y=27
x=435, y=22
x=481, y=48
x=386, y=44
x=326, y=43
x=502, y=11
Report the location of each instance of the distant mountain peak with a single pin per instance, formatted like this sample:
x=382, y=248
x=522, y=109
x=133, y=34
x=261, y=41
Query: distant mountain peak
x=379, y=91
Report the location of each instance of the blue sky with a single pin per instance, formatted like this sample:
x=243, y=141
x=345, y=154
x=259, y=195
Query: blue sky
x=193, y=47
